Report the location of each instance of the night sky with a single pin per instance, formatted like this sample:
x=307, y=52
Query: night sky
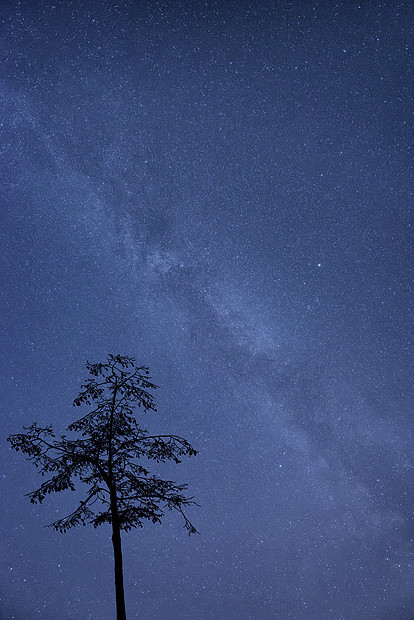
x=220, y=189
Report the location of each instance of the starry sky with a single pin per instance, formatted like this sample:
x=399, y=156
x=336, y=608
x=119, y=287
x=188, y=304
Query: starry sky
x=222, y=190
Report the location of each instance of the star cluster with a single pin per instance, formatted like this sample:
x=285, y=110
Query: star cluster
x=221, y=189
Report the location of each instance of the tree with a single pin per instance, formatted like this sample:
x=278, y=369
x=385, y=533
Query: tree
x=108, y=458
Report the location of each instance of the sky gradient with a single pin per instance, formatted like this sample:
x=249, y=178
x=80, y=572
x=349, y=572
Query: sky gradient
x=222, y=190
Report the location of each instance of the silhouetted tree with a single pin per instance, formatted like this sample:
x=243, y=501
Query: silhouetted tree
x=107, y=456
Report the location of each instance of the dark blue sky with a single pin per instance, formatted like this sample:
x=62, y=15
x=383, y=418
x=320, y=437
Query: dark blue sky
x=222, y=190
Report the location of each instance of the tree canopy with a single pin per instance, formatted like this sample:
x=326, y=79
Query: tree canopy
x=108, y=455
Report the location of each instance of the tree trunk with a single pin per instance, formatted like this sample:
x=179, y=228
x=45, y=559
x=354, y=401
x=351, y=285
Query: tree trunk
x=119, y=576
x=116, y=530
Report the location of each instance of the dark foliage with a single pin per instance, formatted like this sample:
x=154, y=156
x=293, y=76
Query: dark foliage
x=108, y=453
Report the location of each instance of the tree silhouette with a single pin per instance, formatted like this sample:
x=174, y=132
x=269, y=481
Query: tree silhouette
x=108, y=458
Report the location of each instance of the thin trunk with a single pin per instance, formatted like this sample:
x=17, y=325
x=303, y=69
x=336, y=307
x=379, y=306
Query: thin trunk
x=116, y=530
x=119, y=575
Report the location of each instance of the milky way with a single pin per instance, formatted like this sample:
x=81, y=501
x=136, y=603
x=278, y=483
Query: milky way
x=222, y=190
